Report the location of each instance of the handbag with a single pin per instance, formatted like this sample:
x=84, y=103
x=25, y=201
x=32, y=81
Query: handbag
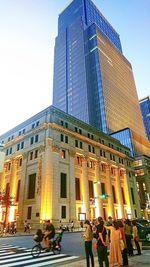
x=95, y=245
x=137, y=238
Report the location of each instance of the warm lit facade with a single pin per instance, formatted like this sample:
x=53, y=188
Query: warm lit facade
x=57, y=167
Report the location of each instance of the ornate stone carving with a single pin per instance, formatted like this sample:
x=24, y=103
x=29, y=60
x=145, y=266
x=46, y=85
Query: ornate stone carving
x=39, y=176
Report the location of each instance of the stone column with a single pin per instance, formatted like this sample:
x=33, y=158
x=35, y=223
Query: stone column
x=72, y=196
x=137, y=200
x=22, y=194
x=127, y=192
x=109, y=192
x=119, y=193
x=47, y=181
x=85, y=189
x=13, y=189
x=98, y=191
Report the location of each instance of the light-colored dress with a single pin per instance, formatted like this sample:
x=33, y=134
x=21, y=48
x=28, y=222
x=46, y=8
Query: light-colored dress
x=115, y=258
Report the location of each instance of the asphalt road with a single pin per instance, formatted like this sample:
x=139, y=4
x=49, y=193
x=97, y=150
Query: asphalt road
x=72, y=243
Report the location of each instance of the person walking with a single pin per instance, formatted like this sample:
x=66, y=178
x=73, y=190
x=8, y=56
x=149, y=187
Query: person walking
x=102, y=243
x=25, y=226
x=128, y=235
x=109, y=223
x=88, y=236
x=72, y=226
x=115, y=258
x=136, y=237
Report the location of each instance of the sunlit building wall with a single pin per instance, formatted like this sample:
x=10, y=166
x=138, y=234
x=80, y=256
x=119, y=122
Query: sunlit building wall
x=60, y=168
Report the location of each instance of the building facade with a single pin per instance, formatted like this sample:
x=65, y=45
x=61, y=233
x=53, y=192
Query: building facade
x=140, y=151
x=59, y=168
x=142, y=173
x=145, y=109
x=93, y=81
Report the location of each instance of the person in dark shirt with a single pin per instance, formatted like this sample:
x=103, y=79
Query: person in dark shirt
x=102, y=243
x=49, y=233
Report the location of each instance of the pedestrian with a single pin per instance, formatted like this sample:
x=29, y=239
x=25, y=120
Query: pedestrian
x=115, y=258
x=124, y=251
x=88, y=236
x=109, y=223
x=28, y=228
x=25, y=226
x=136, y=237
x=72, y=226
x=81, y=225
x=102, y=243
x=128, y=235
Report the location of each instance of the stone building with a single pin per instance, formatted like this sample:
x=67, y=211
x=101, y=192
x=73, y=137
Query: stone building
x=60, y=168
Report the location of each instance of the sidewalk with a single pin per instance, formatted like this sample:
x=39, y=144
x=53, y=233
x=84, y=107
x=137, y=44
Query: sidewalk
x=135, y=261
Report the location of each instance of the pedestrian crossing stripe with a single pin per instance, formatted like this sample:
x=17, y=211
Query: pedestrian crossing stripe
x=24, y=258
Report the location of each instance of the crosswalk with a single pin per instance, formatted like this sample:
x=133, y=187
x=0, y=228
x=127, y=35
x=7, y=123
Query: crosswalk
x=15, y=256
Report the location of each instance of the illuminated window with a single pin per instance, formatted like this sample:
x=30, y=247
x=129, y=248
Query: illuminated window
x=63, y=154
x=139, y=172
x=137, y=163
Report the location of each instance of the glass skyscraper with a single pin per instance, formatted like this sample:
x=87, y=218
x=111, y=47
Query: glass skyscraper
x=145, y=109
x=93, y=81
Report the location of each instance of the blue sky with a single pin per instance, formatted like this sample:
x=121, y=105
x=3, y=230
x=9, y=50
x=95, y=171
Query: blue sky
x=27, y=34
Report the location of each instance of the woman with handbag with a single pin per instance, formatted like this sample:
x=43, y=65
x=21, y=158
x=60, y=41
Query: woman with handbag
x=115, y=258
x=136, y=237
x=88, y=236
